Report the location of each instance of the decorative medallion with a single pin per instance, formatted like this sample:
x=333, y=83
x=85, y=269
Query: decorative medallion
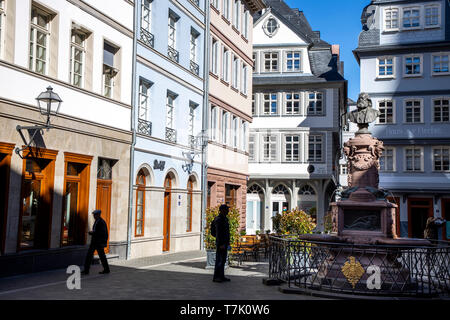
x=271, y=27
x=353, y=271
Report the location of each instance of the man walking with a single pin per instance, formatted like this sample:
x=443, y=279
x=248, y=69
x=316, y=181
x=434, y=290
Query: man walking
x=99, y=240
x=222, y=229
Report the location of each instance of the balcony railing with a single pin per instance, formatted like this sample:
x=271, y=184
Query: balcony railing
x=173, y=54
x=147, y=37
x=194, y=68
x=171, y=135
x=144, y=127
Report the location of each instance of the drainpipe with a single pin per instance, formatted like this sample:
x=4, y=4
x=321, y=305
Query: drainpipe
x=205, y=133
x=133, y=130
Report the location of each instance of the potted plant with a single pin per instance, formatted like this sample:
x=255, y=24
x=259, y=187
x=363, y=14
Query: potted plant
x=210, y=241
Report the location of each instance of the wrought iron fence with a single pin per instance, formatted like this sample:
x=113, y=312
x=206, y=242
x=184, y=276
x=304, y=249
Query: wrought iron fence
x=173, y=54
x=144, y=127
x=147, y=37
x=171, y=135
x=194, y=68
x=361, y=269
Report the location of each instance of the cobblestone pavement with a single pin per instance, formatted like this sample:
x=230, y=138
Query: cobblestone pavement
x=165, y=277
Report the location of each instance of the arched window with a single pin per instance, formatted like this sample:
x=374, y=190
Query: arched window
x=280, y=189
x=307, y=200
x=140, y=204
x=306, y=190
x=254, y=189
x=190, y=188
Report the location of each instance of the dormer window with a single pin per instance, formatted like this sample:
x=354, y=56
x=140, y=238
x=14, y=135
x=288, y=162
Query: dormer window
x=411, y=18
x=432, y=16
x=271, y=27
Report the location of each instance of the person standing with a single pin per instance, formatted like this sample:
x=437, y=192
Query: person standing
x=99, y=240
x=222, y=228
x=432, y=227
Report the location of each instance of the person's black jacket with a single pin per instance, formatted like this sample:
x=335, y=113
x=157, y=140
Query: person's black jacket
x=100, y=233
x=222, y=231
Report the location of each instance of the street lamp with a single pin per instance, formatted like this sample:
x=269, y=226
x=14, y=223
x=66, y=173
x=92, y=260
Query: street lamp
x=48, y=103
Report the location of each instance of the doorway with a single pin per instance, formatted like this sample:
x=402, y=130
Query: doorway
x=167, y=212
x=419, y=209
x=5, y=164
x=104, y=187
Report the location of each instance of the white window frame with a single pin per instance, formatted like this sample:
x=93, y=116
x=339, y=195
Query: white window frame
x=225, y=124
x=386, y=76
x=237, y=14
x=403, y=18
x=440, y=54
x=293, y=100
x=252, y=144
x=226, y=9
x=432, y=6
x=146, y=24
x=433, y=112
x=82, y=48
x=144, y=100
x=193, y=46
x=292, y=143
x=255, y=60
x=271, y=141
x=270, y=100
x=315, y=99
x=385, y=107
x=215, y=4
x=215, y=56
x=109, y=76
x=384, y=155
x=226, y=54
x=170, y=110
x=2, y=27
x=172, y=31
x=191, y=118
x=244, y=79
x=413, y=155
x=213, y=122
x=34, y=29
x=245, y=24
x=271, y=69
x=441, y=148
x=293, y=60
x=322, y=140
x=412, y=56
x=413, y=106
x=254, y=105
x=235, y=72
x=244, y=136
x=385, y=19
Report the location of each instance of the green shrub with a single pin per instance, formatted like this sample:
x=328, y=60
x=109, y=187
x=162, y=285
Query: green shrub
x=293, y=222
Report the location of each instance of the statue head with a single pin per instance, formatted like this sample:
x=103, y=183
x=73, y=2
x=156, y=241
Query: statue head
x=364, y=101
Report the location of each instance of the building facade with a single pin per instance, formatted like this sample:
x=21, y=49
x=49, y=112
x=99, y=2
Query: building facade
x=299, y=95
x=229, y=95
x=83, y=50
x=169, y=92
x=404, y=51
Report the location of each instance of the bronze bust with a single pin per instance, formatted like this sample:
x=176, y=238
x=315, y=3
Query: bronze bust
x=365, y=114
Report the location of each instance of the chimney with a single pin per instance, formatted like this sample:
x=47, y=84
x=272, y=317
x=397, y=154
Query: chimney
x=335, y=50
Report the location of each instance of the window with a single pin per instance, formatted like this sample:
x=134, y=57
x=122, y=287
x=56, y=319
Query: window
x=293, y=61
x=291, y=148
x=235, y=80
x=140, y=205
x=411, y=18
x=292, y=103
x=146, y=22
x=413, y=159
x=271, y=61
x=441, y=159
x=391, y=19
x=270, y=27
x=244, y=86
x=237, y=14
x=235, y=131
x=226, y=64
x=315, y=148
x=231, y=193
x=269, y=148
x=253, y=105
x=413, y=66
x=386, y=111
x=387, y=159
x=244, y=132
x=194, y=67
x=213, y=123
x=109, y=72
x=144, y=124
x=270, y=104
x=77, y=58
x=225, y=120
x=251, y=148
x=315, y=103
x=170, y=116
x=385, y=67
x=39, y=40
x=172, y=39
x=440, y=63
x=441, y=110
x=413, y=111
x=432, y=16
x=191, y=121
x=254, y=57
x=215, y=3
x=245, y=24
x=214, y=56
x=226, y=9
x=2, y=27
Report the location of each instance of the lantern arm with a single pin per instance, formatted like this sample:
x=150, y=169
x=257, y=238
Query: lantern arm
x=36, y=130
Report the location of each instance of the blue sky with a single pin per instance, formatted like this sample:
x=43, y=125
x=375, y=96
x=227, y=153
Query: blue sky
x=339, y=23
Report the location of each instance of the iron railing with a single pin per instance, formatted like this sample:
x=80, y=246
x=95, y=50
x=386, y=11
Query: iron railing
x=171, y=135
x=194, y=68
x=144, y=127
x=173, y=54
x=147, y=37
x=361, y=269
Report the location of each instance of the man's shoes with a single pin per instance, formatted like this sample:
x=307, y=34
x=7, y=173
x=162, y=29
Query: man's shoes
x=226, y=279
x=104, y=272
x=217, y=280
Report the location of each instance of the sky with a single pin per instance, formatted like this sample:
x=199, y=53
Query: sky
x=339, y=22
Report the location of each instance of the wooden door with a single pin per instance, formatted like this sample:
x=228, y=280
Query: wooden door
x=419, y=209
x=167, y=208
x=103, y=203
